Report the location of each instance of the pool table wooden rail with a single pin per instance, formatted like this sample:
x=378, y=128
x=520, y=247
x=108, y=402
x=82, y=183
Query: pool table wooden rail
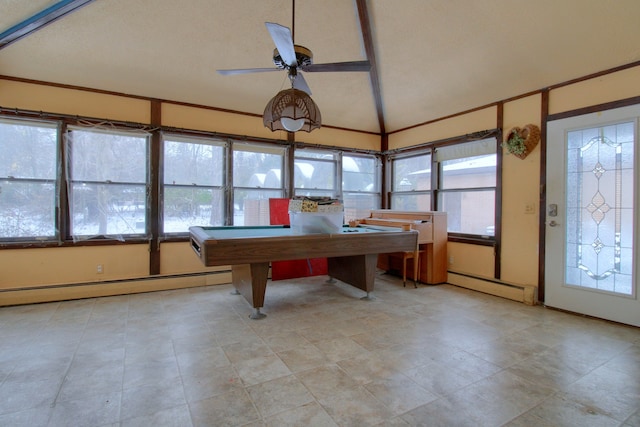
x=247, y=250
x=351, y=254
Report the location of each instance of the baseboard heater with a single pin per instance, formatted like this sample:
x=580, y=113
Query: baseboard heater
x=527, y=294
x=70, y=291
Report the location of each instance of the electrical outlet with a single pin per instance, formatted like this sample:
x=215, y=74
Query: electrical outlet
x=99, y=269
x=451, y=260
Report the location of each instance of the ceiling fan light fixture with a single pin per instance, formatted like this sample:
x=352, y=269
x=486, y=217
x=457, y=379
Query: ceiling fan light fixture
x=292, y=125
x=292, y=110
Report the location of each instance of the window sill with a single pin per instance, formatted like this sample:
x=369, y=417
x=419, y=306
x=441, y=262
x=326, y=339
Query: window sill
x=26, y=244
x=472, y=239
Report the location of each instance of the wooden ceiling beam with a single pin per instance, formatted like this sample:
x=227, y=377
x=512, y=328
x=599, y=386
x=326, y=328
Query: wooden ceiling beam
x=39, y=20
x=367, y=37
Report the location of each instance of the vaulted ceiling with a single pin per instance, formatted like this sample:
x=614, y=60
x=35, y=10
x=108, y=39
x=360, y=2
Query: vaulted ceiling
x=431, y=58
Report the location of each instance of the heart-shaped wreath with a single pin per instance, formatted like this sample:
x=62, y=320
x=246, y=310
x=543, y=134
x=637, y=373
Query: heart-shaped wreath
x=521, y=141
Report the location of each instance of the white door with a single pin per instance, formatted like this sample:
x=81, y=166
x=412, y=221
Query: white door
x=591, y=215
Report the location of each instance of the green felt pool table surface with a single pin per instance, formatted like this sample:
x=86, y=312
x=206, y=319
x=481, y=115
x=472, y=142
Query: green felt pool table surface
x=233, y=232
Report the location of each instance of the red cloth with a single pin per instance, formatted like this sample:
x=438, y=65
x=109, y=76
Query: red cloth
x=281, y=270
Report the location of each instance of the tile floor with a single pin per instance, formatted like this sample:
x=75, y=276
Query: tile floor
x=432, y=356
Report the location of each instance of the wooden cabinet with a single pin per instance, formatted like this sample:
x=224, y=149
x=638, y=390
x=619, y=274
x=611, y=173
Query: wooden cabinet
x=432, y=240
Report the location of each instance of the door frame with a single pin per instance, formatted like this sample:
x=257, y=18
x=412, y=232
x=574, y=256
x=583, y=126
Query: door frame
x=546, y=117
x=633, y=106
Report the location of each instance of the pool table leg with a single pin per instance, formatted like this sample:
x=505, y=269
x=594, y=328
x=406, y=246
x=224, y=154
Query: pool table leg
x=256, y=314
x=251, y=281
x=357, y=270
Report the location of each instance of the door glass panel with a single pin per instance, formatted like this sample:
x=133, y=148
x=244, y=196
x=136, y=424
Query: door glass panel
x=599, y=203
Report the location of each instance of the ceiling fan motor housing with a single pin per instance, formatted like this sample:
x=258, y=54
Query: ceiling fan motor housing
x=304, y=57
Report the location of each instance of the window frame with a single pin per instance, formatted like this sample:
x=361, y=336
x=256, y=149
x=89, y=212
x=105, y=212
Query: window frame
x=404, y=155
x=234, y=188
x=49, y=124
x=153, y=164
x=69, y=181
x=483, y=239
x=223, y=187
x=376, y=193
x=336, y=160
x=436, y=182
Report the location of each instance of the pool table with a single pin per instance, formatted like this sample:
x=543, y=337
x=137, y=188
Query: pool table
x=351, y=253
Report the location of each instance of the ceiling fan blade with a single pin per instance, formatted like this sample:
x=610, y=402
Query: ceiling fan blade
x=338, y=66
x=300, y=83
x=281, y=36
x=246, y=71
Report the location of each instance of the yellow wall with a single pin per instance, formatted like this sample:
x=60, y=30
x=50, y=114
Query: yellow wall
x=599, y=90
x=52, y=267
x=38, y=266
x=471, y=259
x=55, y=266
x=28, y=96
x=179, y=258
x=23, y=268
x=521, y=178
x=340, y=138
x=186, y=117
x=475, y=121
x=521, y=196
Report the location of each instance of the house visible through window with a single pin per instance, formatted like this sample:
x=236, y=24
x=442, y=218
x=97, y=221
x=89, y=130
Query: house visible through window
x=315, y=173
x=467, y=187
x=411, y=182
x=257, y=177
x=360, y=185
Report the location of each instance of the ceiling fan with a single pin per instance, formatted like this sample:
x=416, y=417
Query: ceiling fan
x=295, y=58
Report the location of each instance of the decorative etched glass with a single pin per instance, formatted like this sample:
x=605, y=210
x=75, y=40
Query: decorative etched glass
x=599, y=201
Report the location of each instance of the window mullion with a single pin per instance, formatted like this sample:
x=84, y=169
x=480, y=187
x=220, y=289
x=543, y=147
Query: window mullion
x=63, y=210
x=436, y=179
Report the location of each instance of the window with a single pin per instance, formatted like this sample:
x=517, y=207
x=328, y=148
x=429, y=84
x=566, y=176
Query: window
x=193, y=177
x=107, y=179
x=411, y=182
x=67, y=180
x=315, y=173
x=28, y=179
x=467, y=187
x=257, y=177
x=360, y=185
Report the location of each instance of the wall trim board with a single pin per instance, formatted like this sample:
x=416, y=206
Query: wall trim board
x=63, y=292
x=382, y=133
x=593, y=109
x=522, y=293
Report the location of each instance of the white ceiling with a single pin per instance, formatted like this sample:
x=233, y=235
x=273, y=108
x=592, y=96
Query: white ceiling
x=434, y=57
